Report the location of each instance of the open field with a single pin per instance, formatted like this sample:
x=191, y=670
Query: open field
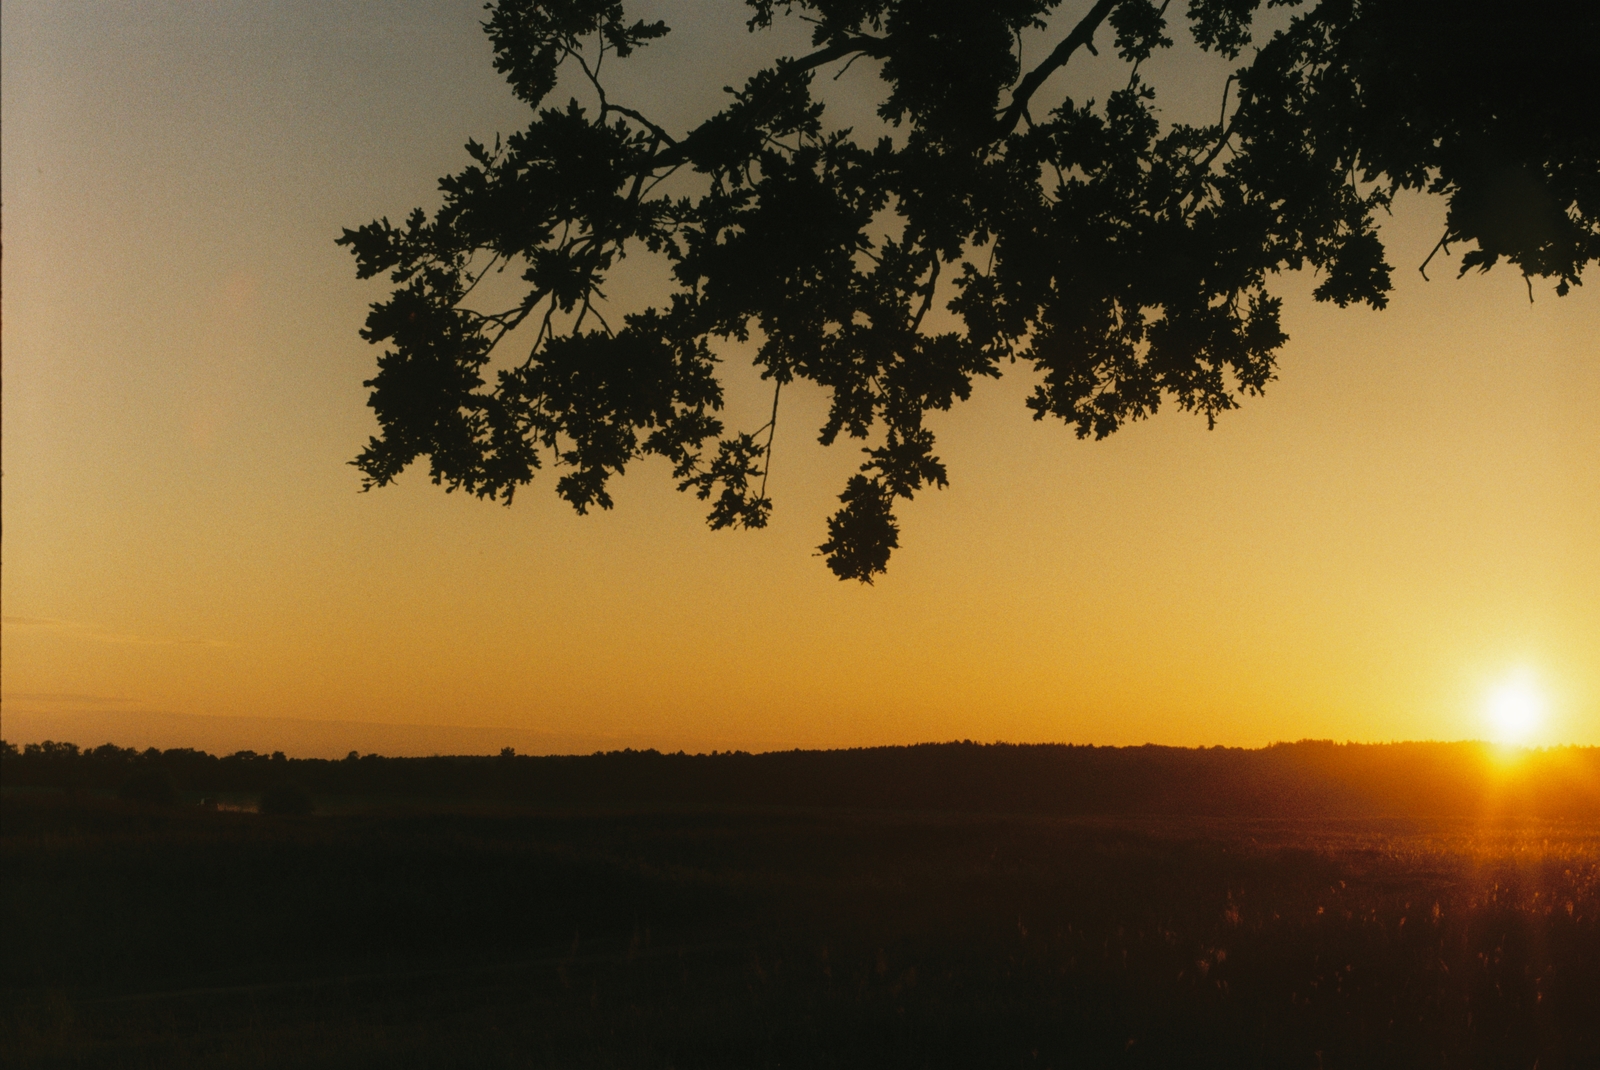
x=491, y=934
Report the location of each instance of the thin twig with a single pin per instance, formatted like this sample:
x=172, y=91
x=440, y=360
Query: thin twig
x=851, y=62
x=654, y=182
x=1133, y=75
x=544, y=329
x=479, y=278
x=927, y=294
x=864, y=44
x=638, y=118
x=1423, y=267
x=772, y=429
x=1227, y=133
x=1203, y=168
x=588, y=307
x=594, y=80
x=638, y=179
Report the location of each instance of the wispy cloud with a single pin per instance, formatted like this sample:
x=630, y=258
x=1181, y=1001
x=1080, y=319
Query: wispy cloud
x=91, y=634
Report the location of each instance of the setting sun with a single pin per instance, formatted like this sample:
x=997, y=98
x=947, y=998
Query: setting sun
x=1516, y=710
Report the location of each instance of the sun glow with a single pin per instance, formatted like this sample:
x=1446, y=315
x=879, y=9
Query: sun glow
x=1515, y=710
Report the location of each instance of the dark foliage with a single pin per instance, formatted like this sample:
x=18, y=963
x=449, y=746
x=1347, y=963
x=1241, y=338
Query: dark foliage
x=1125, y=261
x=151, y=785
x=286, y=799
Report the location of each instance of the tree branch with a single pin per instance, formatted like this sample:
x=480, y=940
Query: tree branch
x=1424, y=266
x=927, y=294
x=677, y=152
x=1203, y=168
x=636, y=117
x=1082, y=35
x=866, y=44
x=772, y=429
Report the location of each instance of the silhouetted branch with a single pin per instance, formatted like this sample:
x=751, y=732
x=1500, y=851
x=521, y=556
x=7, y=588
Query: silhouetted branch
x=1423, y=267
x=677, y=152
x=1082, y=35
x=865, y=44
x=927, y=294
x=636, y=117
x=772, y=429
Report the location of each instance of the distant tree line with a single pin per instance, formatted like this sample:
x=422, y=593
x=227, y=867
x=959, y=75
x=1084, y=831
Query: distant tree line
x=1308, y=778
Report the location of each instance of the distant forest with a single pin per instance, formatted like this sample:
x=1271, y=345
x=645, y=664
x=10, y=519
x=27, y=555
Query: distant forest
x=1305, y=779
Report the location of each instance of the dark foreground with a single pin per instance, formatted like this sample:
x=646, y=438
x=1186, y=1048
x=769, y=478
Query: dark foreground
x=145, y=935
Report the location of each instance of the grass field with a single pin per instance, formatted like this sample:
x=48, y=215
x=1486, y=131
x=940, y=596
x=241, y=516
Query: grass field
x=170, y=936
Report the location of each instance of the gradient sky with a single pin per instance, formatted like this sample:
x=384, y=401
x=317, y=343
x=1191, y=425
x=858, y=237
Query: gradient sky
x=1408, y=517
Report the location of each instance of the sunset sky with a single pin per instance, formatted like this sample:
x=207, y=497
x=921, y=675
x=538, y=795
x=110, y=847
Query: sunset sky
x=1407, y=520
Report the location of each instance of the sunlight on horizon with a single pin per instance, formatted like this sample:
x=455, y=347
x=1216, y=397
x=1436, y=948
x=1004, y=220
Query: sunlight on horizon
x=1515, y=709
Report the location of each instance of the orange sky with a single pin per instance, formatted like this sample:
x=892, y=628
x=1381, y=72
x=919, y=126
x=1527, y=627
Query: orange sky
x=1411, y=514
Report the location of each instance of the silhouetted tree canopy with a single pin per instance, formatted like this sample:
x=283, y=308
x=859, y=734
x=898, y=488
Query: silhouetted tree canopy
x=1123, y=259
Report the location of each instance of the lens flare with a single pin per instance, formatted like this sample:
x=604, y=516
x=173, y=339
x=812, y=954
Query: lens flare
x=1515, y=710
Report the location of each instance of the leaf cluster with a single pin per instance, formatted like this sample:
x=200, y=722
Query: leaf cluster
x=1124, y=260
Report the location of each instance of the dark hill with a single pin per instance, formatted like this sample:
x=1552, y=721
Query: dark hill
x=1305, y=779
